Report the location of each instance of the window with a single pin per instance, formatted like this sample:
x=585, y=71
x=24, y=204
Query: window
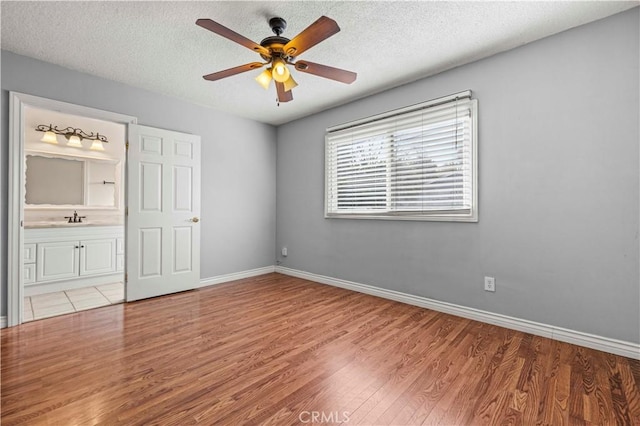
x=418, y=163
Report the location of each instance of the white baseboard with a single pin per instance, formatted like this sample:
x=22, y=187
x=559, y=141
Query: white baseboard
x=3, y=322
x=618, y=347
x=236, y=276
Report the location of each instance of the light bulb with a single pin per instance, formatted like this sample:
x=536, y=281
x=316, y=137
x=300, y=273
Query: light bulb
x=264, y=78
x=74, y=141
x=97, y=146
x=280, y=72
x=49, y=137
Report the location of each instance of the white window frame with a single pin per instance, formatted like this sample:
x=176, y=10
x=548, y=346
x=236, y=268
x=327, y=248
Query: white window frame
x=468, y=215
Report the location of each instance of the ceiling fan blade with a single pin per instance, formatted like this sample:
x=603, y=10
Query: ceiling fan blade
x=233, y=71
x=320, y=30
x=283, y=95
x=325, y=71
x=232, y=35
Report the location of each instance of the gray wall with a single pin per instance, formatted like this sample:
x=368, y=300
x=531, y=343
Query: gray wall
x=558, y=189
x=238, y=159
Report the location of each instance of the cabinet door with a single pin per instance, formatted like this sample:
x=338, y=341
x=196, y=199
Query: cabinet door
x=57, y=261
x=97, y=256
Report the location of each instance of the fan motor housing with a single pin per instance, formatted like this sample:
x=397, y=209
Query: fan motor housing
x=275, y=44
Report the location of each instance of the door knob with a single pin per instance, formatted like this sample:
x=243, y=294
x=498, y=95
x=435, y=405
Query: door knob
x=195, y=219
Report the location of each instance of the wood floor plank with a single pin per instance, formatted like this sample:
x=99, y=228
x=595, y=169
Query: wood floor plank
x=277, y=350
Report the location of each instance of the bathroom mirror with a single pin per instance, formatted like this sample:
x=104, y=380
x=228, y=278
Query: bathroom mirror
x=57, y=181
x=54, y=181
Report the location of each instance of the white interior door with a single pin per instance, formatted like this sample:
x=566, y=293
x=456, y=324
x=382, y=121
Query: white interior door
x=163, y=200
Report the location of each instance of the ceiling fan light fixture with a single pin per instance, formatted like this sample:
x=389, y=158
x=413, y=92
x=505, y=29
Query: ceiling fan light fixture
x=280, y=72
x=264, y=78
x=278, y=52
x=290, y=84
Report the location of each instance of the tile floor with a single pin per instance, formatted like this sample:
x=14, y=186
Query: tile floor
x=65, y=302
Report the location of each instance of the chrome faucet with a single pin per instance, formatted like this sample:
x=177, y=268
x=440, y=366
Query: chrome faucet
x=75, y=218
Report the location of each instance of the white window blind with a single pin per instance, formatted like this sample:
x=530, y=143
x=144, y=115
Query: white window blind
x=416, y=163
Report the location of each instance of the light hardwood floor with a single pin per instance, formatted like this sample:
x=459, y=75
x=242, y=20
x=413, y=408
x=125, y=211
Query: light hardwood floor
x=281, y=350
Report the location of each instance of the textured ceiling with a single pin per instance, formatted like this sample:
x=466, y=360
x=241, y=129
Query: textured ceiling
x=157, y=46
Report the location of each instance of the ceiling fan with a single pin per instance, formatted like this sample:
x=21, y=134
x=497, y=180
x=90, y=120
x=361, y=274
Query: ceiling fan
x=279, y=52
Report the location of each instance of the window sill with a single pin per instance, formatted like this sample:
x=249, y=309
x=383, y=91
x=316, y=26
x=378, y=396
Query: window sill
x=430, y=218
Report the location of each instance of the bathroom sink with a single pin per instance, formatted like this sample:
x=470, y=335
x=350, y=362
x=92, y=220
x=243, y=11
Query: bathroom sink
x=65, y=224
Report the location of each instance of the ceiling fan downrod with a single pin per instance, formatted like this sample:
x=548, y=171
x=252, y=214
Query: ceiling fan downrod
x=278, y=25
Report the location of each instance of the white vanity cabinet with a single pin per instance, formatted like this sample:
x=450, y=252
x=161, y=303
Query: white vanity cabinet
x=71, y=257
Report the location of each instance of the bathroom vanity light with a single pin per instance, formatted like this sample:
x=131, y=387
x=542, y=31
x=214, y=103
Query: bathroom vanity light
x=49, y=136
x=96, y=145
x=74, y=136
x=74, y=141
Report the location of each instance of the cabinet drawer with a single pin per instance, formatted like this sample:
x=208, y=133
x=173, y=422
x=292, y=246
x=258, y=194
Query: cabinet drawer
x=29, y=253
x=29, y=273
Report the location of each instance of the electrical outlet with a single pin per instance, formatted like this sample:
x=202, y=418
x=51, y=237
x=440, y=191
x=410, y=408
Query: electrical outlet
x=489, y=284
x=284, y=252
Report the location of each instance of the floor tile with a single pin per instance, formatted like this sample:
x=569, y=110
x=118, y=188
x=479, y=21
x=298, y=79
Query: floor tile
x=94, y=301
x=69, y=301
x=81, y=291
x=113, y=292
x=115, y=298
x=48, y=297
x=39, y=301
x=27, y=312
x=89, y=304
x=85, y=294
x=112, y=286
x=35, y=304
x=52, y=311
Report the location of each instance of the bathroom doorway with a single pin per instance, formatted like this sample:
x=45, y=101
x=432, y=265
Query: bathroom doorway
x=66, y=233
x=73, y=213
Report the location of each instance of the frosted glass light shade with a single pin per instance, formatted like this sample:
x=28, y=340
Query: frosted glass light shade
x=289, y=84
x=280, y=72
x=74, y=141
x=264, y=78
x=97, y=146
x=49, y=137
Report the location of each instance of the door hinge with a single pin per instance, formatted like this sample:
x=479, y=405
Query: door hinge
x=126, y=211
x=126, y=278
x=127, y=145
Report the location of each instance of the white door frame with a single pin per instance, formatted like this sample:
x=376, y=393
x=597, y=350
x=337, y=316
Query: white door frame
x=17, y=103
